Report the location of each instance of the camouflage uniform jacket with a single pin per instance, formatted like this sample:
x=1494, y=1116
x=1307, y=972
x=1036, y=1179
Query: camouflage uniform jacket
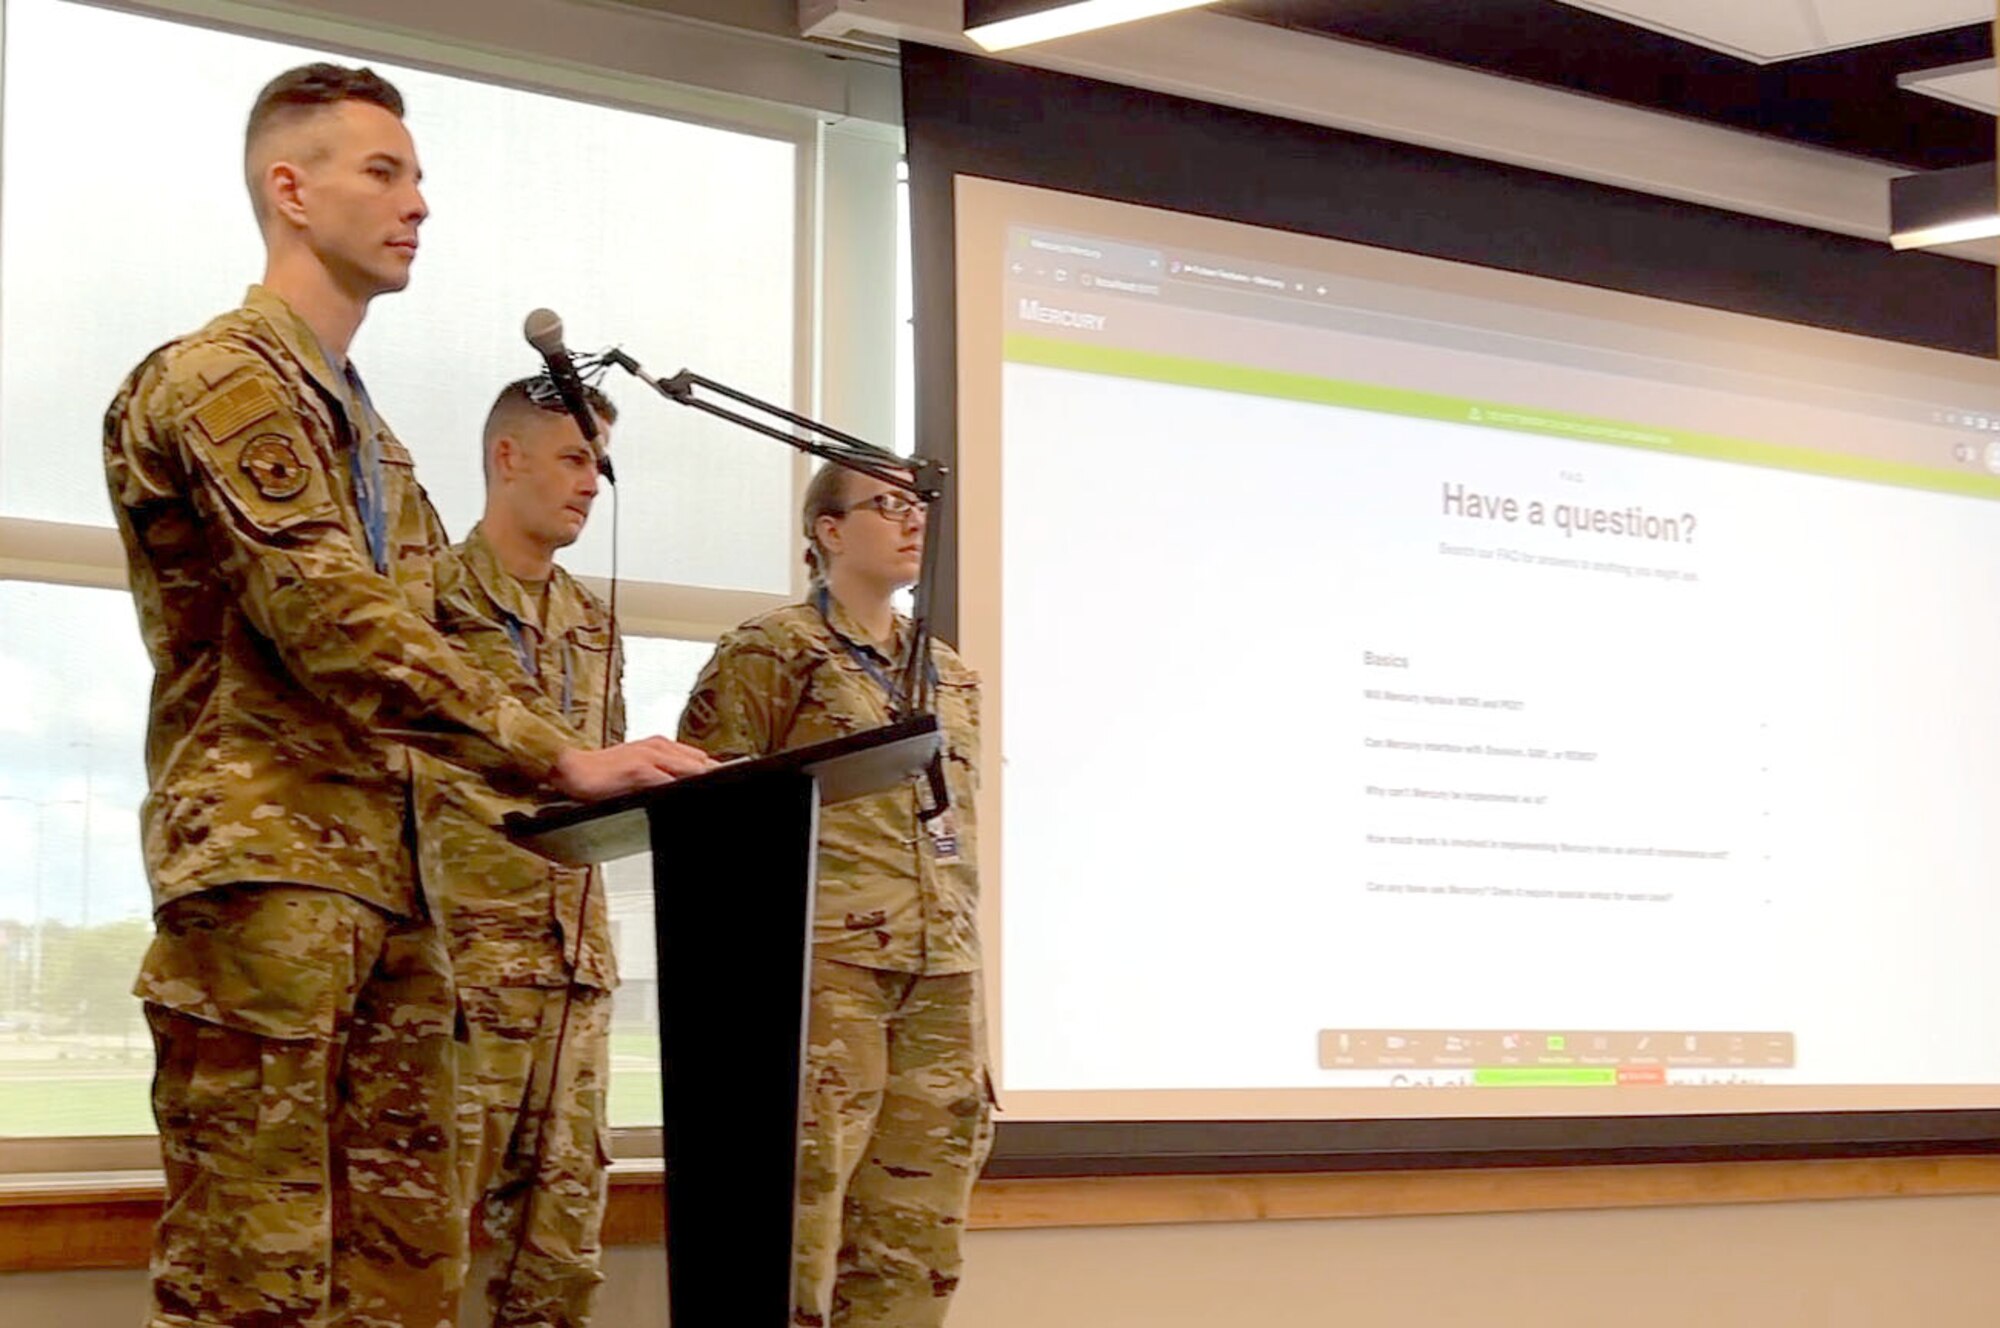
x=292, y=639
x=789, y=678
x=514, y=918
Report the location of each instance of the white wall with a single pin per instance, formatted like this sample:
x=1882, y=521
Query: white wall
x=1856, y=1264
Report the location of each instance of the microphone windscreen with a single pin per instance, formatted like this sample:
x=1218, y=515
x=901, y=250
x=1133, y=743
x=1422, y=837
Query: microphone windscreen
x=544, y=331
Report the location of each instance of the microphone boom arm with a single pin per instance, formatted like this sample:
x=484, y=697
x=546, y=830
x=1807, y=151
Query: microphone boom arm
x=921, y=478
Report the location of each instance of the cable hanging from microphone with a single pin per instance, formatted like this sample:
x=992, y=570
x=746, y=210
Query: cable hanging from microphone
x=567, y=377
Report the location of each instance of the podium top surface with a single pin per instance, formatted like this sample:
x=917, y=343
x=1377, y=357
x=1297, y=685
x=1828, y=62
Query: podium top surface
x=582, y=834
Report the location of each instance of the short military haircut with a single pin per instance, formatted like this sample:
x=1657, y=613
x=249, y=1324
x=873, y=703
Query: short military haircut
x=528, y=399
x=298, y=94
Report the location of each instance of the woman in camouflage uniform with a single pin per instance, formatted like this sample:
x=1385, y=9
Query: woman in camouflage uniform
x=897, y=1110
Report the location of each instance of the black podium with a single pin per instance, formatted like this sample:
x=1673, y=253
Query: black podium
x=733, y=865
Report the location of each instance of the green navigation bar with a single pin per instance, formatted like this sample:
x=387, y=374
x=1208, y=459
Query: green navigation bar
x=1545, y=1076
x=1083, y=357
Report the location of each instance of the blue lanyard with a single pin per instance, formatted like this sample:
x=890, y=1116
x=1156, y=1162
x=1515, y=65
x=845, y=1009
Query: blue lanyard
x=870, y=661
x=517, y=632
x=366, y=464
x=867, y=657
x=364, y=455
x=523, y=647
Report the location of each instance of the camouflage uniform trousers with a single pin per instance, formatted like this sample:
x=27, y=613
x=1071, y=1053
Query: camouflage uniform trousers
x=533, y=1146
x=303, y=1091
x=896, y=1124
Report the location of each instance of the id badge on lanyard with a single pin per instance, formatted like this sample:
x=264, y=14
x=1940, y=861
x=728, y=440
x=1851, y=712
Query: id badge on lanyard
x=943, y=831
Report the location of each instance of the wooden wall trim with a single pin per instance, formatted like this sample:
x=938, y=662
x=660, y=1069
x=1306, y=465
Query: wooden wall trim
x=105, y=1221
x=1144, y=1200
x=94, y=1221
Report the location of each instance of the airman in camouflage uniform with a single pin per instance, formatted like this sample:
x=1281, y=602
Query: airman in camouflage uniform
x=896, y=1122
x=530, y=941
x=281, y=557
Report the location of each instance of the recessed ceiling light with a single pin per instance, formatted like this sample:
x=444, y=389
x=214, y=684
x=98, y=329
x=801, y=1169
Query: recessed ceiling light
x=1944, y=207
x=1955, y=232
x=1000, y=24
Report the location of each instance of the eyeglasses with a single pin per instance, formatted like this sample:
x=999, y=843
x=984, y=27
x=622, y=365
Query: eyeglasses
x=891, y=507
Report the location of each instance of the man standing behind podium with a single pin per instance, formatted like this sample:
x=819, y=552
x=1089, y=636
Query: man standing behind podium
x=531, y=941
x=281, y=559
x=896, y=1120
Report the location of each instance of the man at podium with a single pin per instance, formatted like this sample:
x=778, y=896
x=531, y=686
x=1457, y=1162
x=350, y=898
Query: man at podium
x=897, y=1112
x=281, y=556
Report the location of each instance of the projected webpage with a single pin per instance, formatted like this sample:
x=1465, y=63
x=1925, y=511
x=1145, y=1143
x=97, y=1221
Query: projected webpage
x=1441, y=690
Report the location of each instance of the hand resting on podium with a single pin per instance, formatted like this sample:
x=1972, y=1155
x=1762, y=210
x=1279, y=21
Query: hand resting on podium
x=592, y=775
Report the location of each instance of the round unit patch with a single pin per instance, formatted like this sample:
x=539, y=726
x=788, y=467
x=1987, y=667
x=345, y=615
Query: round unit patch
x=274, y=467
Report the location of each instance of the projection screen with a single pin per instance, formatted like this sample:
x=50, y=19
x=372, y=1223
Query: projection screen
x=1416, y=690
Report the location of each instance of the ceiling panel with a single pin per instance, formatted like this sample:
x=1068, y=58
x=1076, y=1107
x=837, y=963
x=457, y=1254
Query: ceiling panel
x=1846, y=100
x=1976, y=85
x=1771, y=30
x=1758, y=30
x=1863, y=22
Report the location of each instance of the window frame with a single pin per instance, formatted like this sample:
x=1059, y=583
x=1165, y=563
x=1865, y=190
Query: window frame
x=839, y=114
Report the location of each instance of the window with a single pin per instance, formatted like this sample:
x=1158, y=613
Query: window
x=74, y=1054
x=165, y=241
x=676, y=237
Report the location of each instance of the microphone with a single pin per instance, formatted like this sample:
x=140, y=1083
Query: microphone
x=544, y=332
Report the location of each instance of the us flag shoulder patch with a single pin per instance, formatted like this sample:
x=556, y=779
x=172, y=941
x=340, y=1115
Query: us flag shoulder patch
x=227, y=414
